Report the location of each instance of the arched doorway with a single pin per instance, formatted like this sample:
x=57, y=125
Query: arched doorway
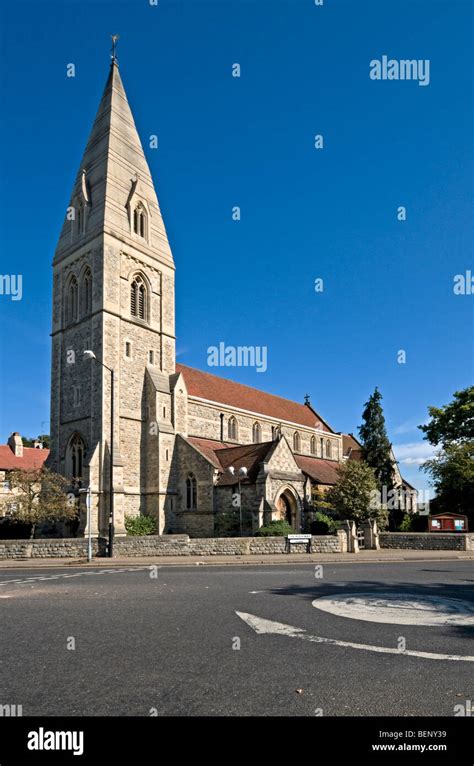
x=286, y=508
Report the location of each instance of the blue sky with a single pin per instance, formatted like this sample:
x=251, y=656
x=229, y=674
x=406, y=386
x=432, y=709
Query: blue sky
x=305, y=213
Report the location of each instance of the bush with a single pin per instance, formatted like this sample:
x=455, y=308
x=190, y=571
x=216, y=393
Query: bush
x=419, y=523
x=140, y=525
x=275, y=529
x=405, y=525
x=322, y=524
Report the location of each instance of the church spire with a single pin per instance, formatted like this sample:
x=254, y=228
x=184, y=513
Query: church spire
x=113, y=178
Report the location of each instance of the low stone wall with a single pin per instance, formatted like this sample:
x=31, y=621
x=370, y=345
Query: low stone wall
x=427, y=541
x=73, y=547
x=182, y=545
x=167, y=545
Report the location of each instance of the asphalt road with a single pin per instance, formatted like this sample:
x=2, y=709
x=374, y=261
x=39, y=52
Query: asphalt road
x=169, y=644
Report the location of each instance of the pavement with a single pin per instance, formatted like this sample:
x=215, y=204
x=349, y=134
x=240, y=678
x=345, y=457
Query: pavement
x=386, y=555
x=335, y=638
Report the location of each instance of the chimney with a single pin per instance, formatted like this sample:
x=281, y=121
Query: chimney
x=16, y=444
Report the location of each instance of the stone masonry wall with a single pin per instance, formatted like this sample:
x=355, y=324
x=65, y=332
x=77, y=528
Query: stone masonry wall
x=183, y=545
x=427, y=541
x=168, y=545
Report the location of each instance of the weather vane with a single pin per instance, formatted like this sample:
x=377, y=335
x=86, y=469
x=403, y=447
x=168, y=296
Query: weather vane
x=114, y=46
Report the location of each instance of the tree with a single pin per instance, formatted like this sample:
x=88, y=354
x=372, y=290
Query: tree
x=452, y=469
x=452, y=472
x=353, y=495
x=36, y=496
x=376, y=448
x=30, y=442
x=452, y=423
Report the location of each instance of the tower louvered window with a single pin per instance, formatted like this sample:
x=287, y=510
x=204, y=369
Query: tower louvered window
x=86, y=293
x=71, y=301
x=138, y=302
x=140, y=221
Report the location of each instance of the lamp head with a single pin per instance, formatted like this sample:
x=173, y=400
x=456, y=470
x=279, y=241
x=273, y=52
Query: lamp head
x=243, y=471
x=89, y=354
x=231, y=470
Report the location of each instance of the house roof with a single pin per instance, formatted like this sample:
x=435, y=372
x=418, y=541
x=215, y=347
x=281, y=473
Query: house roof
x=32, y=459
x=223, y=391
x=321, y=471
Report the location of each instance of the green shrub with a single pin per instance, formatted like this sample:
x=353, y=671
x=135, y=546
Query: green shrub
x=276, y=529
x=405, y=525
x=322, y=524
x=140, y=525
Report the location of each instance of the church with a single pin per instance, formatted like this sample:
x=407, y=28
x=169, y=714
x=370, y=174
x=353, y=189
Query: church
x=160, y=438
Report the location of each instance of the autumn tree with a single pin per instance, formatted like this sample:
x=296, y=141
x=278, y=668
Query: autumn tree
x=36, y=496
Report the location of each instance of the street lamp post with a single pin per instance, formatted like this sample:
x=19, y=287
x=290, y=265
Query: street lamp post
x=90, y=355
x=87, y=491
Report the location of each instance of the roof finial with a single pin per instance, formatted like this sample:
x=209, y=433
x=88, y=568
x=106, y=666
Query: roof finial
x=113, y=54
x=306, y=399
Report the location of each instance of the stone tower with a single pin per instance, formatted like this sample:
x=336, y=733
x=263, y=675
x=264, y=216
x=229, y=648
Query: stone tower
x=113, y=293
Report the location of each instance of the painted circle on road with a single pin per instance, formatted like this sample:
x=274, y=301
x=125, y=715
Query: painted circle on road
x=399, y=610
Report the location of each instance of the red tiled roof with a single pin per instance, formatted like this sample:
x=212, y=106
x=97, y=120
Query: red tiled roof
x=321, y=471
x=224, y=391
x=222, y=455
x=31, y=460
x=208, y=448
x=351, y=448
x=248, y=455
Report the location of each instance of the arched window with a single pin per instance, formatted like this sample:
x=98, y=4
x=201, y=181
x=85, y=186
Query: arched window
x=138, y=298
x=232, y=428
x=328, y=448
x=75, y=458
x=321, y=444
x=296, y=442
x=313, y=445
x=273, y=433
x=86, y=293
x=191, y=492
x=256, y=433
x=71, y=301
x=140, y=221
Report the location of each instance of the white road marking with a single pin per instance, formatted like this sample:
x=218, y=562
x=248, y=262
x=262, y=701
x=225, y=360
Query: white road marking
x=262, y=626
x=398, y=609
x=77, y=574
